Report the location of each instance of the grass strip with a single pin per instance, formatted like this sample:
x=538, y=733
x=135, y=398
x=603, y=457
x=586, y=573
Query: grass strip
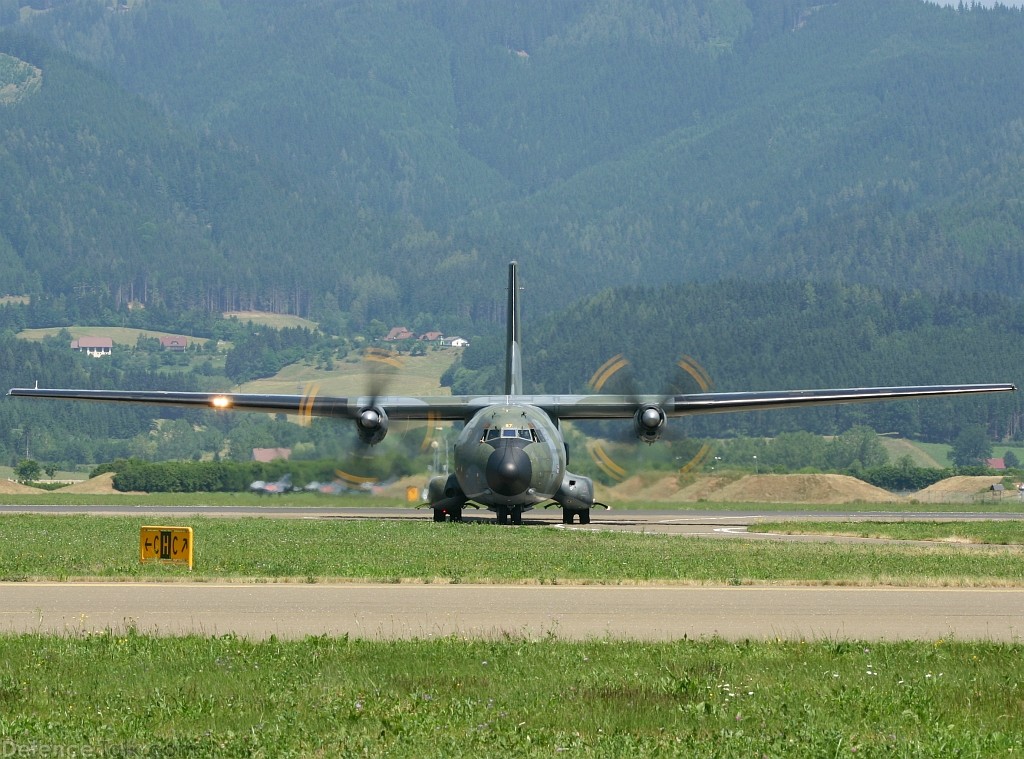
x=63, y=547
x=106, y=694
x=991, y=532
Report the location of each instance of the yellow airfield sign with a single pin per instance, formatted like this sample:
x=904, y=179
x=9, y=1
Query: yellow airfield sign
x=168, y=545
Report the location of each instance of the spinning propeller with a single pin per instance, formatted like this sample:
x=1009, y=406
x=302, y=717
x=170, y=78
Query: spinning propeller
x=360, y=469
x=616, y=375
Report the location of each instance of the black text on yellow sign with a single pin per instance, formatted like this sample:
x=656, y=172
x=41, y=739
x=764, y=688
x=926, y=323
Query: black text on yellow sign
x=168, y=545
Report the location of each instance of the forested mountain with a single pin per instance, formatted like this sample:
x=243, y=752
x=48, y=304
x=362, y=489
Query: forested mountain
x=780, y=335
x=366, y=158
x=796, y=192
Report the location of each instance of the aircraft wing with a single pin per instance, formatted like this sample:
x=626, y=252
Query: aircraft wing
x=461, y=407
x=711, y=403
x=440, y=408
x=603, y=407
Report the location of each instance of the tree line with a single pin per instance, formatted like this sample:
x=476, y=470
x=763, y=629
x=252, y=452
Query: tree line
x=780, y=335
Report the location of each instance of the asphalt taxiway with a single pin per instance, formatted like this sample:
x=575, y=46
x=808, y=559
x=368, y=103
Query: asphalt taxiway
x=495, y=611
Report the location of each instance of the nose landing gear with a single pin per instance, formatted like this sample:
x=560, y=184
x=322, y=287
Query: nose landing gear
x=506, y=513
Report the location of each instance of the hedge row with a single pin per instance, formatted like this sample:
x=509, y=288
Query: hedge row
x=134, y=475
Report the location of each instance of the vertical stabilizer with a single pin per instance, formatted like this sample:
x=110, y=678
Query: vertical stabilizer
x=513, y=357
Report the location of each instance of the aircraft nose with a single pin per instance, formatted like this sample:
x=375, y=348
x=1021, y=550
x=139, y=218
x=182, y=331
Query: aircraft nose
x=509, y=470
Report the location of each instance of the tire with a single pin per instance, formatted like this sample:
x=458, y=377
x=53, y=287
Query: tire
x=438, y=515
x=584, y=516
x=517, y=515
x=502, y=513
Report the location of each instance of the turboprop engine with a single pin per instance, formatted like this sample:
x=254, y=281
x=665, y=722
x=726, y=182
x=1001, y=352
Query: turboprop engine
x=649, y=422
x=372, y=425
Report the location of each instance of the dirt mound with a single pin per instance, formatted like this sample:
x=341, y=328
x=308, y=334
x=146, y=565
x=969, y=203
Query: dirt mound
x=662, y=487
x=101, y=485
x=9, y=486
x=639, y=487
x=957, y=488
x=701, y=488
x=801, y=488
x=764, y=488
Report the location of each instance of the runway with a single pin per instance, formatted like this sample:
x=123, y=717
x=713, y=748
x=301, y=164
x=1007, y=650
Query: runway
x=569, y=612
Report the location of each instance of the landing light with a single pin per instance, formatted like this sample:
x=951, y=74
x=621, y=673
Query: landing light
x=220, y=401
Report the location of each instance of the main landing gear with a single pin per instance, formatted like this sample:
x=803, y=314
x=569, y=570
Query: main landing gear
x=568, y=514
x=452, y=514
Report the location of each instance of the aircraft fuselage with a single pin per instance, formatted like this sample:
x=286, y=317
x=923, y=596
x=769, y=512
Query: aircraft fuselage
x=510, y=455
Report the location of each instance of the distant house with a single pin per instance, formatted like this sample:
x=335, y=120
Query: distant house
x=176, y=343
x=455, y=342
x=94, y=346
x=399, y=333
x=266, y=455
x=995, y=463
x=431, y=337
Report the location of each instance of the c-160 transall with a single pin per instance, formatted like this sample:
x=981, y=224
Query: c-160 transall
x=510, y=455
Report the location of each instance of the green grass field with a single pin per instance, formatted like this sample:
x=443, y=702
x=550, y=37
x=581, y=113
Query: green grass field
x=120, y=335
x=268, y=319
x=124, y=694
x=127, y=695
x=68, y=547
x=419, y=375
x=939, y=452
x=989, y=532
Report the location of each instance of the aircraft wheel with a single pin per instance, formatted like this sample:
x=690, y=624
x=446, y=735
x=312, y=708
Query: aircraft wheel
x=438, y=515
x=584, y=516
x=517, y=515
x=455, y=515
x=567, y=515
x=502, y=513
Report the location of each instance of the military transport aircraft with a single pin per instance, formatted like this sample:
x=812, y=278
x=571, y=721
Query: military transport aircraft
x=510, y=455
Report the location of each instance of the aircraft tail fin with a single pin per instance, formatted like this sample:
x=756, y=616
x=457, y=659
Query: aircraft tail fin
x=513, y=355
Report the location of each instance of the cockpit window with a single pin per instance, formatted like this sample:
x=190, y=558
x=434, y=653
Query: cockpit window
x=493, y=433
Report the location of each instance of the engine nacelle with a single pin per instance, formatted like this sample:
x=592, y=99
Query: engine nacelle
x=649, y=422
x=445, y=492
x=372, y=424
x=575, y=492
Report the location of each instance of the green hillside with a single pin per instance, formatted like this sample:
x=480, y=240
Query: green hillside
x=798, y=193
x=776, y=335
x=364, y=158
x=121, y=335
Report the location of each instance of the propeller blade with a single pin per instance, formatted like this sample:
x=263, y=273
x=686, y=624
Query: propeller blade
x=360, y=467
x=617, y=375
